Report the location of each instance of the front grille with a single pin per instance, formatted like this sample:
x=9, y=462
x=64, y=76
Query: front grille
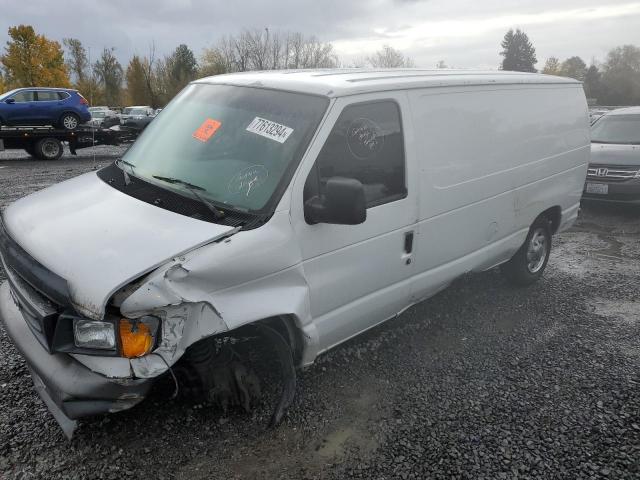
x=612, y=173
x=40, y=294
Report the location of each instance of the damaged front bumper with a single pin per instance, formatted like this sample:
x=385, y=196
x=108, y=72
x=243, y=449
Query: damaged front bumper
x=69, y=389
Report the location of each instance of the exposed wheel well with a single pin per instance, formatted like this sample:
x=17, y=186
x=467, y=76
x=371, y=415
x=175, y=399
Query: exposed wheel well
x=286, y=326
x=218, y=373
x=68, y=112
x=554, y=215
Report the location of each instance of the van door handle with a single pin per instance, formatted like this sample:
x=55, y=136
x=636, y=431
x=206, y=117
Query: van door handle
x=408, y=242
x=408, y=248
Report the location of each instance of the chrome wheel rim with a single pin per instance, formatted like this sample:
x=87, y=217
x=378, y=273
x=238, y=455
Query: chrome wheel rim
x=50, y=149
x=70, y=122
x=537, y=250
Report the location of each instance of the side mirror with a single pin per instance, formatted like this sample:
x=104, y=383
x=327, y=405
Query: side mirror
x=10, y=101
x=343, y=203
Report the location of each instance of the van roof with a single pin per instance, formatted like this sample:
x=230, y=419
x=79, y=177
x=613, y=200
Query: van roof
x=349, y=81
x=625, y=111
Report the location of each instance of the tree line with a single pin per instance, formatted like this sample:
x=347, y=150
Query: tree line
x=31, y=59
x=615, y=81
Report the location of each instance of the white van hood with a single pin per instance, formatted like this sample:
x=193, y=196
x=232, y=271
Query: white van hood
x=99, y=239
x=614, y=154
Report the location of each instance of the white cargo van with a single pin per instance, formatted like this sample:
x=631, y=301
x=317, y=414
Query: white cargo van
x=309, y=205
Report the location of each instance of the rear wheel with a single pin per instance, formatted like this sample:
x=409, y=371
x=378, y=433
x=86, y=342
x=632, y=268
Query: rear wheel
x=48, y=149
x=69, y=121
x=529, y=262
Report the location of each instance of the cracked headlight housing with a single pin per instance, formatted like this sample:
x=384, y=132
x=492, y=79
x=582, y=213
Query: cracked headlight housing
x=138, y=336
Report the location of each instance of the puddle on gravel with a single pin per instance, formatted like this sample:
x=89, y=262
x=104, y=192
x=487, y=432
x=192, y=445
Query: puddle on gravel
x=622, y=311
x=624, y=316
x=288, y=451
x=585, y=254
x=334, y=444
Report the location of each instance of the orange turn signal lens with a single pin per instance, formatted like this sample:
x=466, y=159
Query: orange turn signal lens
x=136, y=338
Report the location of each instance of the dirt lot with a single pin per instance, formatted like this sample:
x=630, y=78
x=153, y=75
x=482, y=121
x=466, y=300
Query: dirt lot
x=481, y=381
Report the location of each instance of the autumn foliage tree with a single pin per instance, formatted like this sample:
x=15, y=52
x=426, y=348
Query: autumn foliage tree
x=137, y=90
x=573, y=67
x=552, y=66
x=33, y=60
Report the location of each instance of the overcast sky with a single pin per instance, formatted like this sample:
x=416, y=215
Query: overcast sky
x=463, y=33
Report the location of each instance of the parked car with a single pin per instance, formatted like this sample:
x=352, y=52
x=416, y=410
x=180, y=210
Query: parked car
x=304, y=207
x=61, y=107
x=99, y=108
x=104, y=118
x=614, y=169
x=128, y=112
x=138, y=118
x=596, y=113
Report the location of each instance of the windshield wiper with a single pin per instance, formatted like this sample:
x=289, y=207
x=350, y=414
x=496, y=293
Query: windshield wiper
x=120, y=161
x=218, y=214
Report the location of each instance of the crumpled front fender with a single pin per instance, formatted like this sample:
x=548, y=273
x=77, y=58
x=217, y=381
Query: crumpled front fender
x=242, y=279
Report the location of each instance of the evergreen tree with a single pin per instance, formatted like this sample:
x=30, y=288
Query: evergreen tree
x=518, y=52
x=182, y=68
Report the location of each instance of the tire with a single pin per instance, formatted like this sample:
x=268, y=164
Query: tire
x=69, y=121
x=48, y=149
x=529, y=262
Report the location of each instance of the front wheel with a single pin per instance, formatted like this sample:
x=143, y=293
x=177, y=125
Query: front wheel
x=529, y=262
x=69, y=121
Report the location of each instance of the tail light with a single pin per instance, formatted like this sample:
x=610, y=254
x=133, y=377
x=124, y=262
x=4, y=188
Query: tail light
x=83, y=100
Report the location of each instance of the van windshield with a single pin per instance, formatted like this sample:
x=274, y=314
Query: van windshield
x=620, y=129
x=235, y=144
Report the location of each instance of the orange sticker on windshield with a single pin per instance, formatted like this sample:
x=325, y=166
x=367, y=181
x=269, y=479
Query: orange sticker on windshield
x=206, y=130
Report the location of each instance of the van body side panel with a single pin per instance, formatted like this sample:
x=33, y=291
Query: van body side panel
x=492, y=159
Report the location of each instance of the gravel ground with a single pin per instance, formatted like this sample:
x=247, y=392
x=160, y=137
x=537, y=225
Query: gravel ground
x=482, y=381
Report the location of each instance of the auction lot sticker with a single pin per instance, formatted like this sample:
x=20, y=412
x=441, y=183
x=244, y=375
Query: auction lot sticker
x=206, y=130
x=269, y=129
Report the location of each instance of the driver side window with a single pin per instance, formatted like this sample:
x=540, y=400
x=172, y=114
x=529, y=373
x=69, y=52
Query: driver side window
x=366, y=144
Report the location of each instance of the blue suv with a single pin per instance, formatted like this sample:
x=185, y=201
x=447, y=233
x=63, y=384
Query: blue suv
x=61, y=107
